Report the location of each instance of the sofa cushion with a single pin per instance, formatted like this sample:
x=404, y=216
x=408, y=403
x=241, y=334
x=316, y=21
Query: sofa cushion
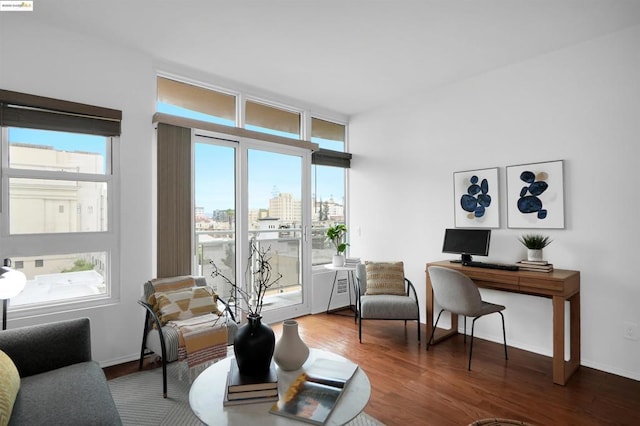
x=385, y=278
x=73, y=395
x=10, y=380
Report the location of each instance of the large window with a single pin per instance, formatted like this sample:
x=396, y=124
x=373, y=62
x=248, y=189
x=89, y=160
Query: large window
x=328, y=172
x=58, y=192
x=328, y=176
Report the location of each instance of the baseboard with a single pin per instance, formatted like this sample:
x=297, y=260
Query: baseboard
x=119, y=360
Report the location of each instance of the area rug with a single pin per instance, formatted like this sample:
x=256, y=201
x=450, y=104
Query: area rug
x=139, y=400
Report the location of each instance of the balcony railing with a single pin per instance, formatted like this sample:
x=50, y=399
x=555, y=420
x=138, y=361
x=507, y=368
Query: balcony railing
x=285, y=252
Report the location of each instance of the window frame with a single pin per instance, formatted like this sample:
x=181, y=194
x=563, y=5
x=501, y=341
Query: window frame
x=61, y=243
x=323, y=157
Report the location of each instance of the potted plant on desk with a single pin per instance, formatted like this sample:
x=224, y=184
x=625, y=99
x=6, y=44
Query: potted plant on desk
x=336, y=235
x=534, y=244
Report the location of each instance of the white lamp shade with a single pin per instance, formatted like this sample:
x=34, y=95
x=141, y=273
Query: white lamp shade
x=12, y=282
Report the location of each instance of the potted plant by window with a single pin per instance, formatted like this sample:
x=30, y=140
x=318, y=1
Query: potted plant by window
x=534, y=244
x=336, y=235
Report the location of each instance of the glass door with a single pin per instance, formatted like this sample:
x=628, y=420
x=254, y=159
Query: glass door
x=215, y=230
x=277, y=218
x=251, y=192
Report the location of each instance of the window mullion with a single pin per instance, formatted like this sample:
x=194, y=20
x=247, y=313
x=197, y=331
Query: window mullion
x=56, y=175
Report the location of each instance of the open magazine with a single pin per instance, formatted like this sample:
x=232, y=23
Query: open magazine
x=315, y=393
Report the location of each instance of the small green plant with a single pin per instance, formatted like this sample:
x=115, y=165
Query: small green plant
x=79, y=265
x=336, y=234
x=535, y=241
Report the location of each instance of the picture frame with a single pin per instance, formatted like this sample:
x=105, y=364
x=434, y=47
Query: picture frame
x=476, y=198
x=535, y=195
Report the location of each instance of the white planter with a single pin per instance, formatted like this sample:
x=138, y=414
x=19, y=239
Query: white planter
x=338, y=260
x=534, y=254
x=291, y=352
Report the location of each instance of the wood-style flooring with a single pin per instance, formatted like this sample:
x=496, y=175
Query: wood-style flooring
x=411, y=386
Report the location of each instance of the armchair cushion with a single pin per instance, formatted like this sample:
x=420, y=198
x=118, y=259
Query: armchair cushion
x=10, y=380
x=184, y=304
x=385, y=278
x=388, y=306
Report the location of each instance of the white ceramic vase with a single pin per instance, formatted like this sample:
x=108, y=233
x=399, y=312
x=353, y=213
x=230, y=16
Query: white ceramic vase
x=338, y=260
x=291, y=352
x=534, y=255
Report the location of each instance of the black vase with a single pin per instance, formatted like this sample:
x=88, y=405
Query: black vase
x=253, y=347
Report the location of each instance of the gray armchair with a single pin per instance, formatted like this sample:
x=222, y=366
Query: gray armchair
x=162, y=340
x=380, y=306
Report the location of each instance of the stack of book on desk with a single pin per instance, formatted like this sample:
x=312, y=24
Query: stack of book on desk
x=535, y=265
x=314, y=394
x=250, y=390
x=351, y=261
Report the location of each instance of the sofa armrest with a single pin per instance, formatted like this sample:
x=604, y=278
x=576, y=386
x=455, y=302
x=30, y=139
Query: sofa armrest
x=39, y=348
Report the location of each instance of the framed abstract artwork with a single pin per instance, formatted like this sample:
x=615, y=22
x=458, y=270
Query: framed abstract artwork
x=476, y=199
x=535, y=195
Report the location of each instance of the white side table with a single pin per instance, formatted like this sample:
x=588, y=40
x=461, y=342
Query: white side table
x=351, y=284
x=207, y=393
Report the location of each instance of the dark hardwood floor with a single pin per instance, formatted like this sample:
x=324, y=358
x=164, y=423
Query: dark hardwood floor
x=411, y=386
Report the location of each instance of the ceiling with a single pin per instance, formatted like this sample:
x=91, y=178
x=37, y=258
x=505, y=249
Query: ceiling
x=346, y=56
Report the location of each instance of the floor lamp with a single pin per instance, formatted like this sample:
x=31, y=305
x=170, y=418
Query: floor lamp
x=11, y=284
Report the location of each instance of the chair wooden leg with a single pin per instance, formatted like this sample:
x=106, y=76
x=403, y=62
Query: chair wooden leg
x=360, y=329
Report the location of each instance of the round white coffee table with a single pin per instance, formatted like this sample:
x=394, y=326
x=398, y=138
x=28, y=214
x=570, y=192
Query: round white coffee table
x=207, y=393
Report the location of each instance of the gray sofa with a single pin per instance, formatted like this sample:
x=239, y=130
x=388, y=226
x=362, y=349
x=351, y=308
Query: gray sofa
x=59, y=382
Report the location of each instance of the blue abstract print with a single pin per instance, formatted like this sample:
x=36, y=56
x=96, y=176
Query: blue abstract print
x=529, y=201
x=477, y=198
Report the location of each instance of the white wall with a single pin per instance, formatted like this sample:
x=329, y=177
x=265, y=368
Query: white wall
x=42, y=60
x=581, y=105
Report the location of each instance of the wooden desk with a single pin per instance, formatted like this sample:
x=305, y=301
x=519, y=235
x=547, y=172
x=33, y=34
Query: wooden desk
x=559, y=285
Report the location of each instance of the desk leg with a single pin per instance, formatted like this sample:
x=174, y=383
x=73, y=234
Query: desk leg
x=562, y=369
x=440, y=334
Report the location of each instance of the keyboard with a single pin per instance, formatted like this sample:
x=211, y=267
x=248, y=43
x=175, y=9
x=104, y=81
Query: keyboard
x=501, y=266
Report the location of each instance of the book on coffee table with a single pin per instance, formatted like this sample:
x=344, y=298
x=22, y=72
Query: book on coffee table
x=249, y=397
x=314, y=394
x=237, y=382
x=243, y=389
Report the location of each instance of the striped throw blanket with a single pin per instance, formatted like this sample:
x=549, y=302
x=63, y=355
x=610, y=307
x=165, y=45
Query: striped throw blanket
x=202, y=341
x=193, y=312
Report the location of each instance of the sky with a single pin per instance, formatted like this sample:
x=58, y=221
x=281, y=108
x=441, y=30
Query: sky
x=61, y=141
